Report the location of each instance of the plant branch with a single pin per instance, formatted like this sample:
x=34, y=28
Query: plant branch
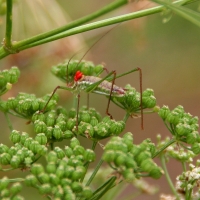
x=168, y=177
x=40, y=39
x=8, y=34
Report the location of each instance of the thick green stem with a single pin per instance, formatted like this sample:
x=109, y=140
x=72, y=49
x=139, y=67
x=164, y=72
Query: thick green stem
x=8, y=34
x=162, y=157
x=38, y=40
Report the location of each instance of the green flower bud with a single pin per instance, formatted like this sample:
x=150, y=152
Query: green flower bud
x=117, y=127
x=163, y=112
x=38, y=116
x=192, y=137
x=156, y=173
x=62, y=125
x=52, y=157
x=131, y=99
x=120, y=159
x=89, y=155
x=5, y=193
x=94, y=121
x=12, y=103
x=65, y=182
x=15, y=136
x=57, y=132
x=4, y=182
x=28, y=142
x=72, y=113
x=50, y=120
x=12, y=151
x=78, y=150
x=74, y=142
x=147, y=165
x=3, y=106
x=60, y=152
x=68, y=151
x=45, y=188
x=148, y=102
x=129, y=175
x=130, y=163
x=54, y=179
x=5, y=159
x=16, y=188
x=109, y=156
x=102, y=130
x=98, y=69
x=95, y=114
x=85, y=116
x=173, y=117
x=13, y=78
x=35, y=105
x=196, y=148
x=23, y=138
x=3, y=148
x=74, y=162
x=60, y=172
x=15, y=161
x=40, y=127
x=61, y=110
x=148, y=92
x=3, y=81
x=87, y=192
x=76, y=187
x=42, y=150
x=68, y=134
x=71, y=123
x=49, y=132
x=51, y=168
x=35, y=147
x=41, y=138
x=37, y=169
x=31, y=180
x=78, y=173
x=144, y=155
x=183, y=129
x=68, y=171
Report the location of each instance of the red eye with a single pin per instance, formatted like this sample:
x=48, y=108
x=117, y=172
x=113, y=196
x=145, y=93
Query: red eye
x=78, y=75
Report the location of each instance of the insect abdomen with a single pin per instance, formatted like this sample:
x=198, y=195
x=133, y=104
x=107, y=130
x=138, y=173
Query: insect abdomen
x=103, y=88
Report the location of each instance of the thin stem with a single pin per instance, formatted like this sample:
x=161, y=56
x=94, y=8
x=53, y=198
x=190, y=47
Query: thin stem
x=164, y=147
x=8, y=34
x=38, y=40
x=8, y=121
x=126, y=117
x=162, y=157
x=94, y=172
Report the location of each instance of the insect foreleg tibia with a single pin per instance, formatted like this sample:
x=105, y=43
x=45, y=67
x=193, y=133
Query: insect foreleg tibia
x=54, y=91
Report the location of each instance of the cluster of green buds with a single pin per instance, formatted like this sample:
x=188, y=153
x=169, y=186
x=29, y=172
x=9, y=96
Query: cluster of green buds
x=182, y=125
x=64, y=172
x=130, y=160
x=60, y=124
x=188, y=182
x=10, y=190
x=25, y=105
x=66, y=70
x=175, y=151
x=25, y=151
x=131, y=100
x=8, y=77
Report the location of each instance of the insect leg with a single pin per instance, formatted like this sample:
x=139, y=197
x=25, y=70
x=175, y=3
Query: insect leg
x=113, y=82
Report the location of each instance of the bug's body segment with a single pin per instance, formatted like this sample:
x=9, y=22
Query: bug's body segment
x=104, y=88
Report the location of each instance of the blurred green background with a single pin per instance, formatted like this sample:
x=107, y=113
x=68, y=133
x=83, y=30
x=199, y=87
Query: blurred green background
x=168, y=54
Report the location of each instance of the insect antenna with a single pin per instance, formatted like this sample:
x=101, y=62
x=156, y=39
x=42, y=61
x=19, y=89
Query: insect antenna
x=140, y=74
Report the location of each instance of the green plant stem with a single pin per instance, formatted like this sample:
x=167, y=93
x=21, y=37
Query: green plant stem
x=8, y=121
x=162, y=157
x=8, y=34
x=164, y=147
x=38, y=40
x=94, y=172
x=16, y=180
x=108, y=8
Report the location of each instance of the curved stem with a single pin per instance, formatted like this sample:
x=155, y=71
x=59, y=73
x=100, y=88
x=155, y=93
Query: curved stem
x=164, y=147
x=8, y=34
x=162, y=157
